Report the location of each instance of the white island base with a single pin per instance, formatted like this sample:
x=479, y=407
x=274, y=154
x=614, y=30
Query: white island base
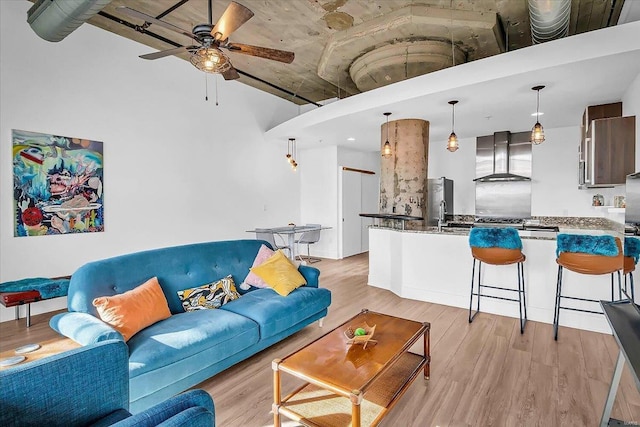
x=436, y=267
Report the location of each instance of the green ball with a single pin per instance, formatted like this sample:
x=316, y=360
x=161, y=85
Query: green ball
x=360, y=332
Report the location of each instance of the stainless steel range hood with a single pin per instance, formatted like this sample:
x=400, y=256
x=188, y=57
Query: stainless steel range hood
x=503, y=156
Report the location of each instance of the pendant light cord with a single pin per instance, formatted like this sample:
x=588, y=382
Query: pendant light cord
x=216, y=77
x=453, y=117
x=453, y=55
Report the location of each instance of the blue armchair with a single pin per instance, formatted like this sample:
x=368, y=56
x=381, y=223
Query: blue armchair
x=89, y=386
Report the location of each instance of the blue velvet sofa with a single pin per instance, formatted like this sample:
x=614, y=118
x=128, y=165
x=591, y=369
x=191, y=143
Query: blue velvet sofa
x=67, y=390
x=187, y=348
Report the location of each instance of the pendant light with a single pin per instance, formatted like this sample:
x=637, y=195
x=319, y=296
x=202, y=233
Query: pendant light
x=386, y=149
x=537, y=133
x=291, y=154
x=288, y=156
x=452, y=143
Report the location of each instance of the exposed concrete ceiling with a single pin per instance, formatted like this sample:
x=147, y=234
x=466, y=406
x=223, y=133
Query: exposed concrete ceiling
x=339, y=41
x=494, y=94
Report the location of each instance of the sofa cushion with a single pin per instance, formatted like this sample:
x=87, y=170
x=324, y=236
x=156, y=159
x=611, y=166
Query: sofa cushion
x=275, y=313
x=185, y=334
x=134, y=310
x=211, y=295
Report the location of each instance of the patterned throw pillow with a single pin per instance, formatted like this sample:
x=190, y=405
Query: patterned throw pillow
x=212, y=295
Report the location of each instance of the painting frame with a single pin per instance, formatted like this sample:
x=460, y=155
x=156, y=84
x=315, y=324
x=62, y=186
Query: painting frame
x=58, y=184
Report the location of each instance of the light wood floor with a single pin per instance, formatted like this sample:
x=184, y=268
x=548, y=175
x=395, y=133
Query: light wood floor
x=482, y=374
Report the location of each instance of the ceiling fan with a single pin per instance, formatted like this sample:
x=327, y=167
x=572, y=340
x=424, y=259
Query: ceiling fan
x=207, y=56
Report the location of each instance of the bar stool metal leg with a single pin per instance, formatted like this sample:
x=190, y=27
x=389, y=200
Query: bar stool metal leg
x=28, y=315
x=556, y=312
x=524, y=292
x=521, y=297
x=473, y=276
x=479, y=286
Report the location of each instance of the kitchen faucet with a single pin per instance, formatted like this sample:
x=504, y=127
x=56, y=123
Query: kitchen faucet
x=442, y=209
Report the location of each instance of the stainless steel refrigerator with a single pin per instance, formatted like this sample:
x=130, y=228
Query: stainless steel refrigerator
x=439, y=193
x=632, y=211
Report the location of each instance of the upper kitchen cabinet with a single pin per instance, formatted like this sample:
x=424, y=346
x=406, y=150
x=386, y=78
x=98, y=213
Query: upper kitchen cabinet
x=607, y=146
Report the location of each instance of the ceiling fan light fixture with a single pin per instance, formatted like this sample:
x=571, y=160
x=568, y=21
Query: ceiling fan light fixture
x=210, y=60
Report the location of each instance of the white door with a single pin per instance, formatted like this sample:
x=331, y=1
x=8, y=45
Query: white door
x=370, y=190
x=351, y=209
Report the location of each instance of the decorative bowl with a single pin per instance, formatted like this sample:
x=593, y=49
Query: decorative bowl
x=365, y=339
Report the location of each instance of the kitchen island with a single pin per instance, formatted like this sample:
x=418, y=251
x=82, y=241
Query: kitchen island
x=435, y=266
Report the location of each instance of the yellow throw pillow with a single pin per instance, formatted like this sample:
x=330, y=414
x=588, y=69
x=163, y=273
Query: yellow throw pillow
x=280, y=274
x=134, y=310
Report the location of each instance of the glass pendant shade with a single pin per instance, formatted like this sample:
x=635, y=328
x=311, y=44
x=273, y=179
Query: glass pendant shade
x=537, y=133
x=386, y=150
x=452, y=143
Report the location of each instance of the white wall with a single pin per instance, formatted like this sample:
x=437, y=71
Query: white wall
x=460, y=166
x=631, y=107
x=319, y=190
x=319, y=196
x=554, y=188
x=369, y=194
x=177, y=169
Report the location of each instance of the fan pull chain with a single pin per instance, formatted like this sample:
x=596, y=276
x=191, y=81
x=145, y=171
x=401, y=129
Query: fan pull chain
x=216, y=77
x=206, y=87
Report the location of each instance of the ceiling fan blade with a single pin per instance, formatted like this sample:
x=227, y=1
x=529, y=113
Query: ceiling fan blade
x=233, y=17
x=262, y=52
x=231, y=74
x=168, y=52
x=150, y=19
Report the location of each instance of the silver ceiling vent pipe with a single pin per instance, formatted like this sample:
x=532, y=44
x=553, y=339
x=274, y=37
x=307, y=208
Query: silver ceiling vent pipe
x=53, y=20
x=549, y=19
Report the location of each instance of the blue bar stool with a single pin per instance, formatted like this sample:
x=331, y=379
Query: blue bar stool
x=586, y=254
x=497, y=246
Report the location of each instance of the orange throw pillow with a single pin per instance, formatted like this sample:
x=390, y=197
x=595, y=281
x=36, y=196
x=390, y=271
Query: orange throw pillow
x=134, y=310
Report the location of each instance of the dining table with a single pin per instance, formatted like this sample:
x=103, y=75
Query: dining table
x=290, y=231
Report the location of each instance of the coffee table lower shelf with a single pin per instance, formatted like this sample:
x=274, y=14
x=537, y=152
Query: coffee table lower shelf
x=315, y=406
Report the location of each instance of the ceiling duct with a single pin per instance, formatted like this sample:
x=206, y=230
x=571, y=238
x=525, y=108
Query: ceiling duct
x=53, y=20
x=549, y=19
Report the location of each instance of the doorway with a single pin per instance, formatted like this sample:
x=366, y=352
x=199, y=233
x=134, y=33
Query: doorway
x=359, y=191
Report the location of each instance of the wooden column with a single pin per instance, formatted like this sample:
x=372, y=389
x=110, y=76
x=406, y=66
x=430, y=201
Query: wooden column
x=403, y=176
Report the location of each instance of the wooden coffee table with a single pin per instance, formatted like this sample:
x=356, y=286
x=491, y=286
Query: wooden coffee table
x=348, y=385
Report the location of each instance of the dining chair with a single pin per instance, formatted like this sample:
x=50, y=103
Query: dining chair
x=269, y=236
x=309, y=238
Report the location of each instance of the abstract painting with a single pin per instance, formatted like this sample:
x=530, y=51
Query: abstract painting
x=57, y=184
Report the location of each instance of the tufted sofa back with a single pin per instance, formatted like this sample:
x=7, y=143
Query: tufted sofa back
x=177, y=268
